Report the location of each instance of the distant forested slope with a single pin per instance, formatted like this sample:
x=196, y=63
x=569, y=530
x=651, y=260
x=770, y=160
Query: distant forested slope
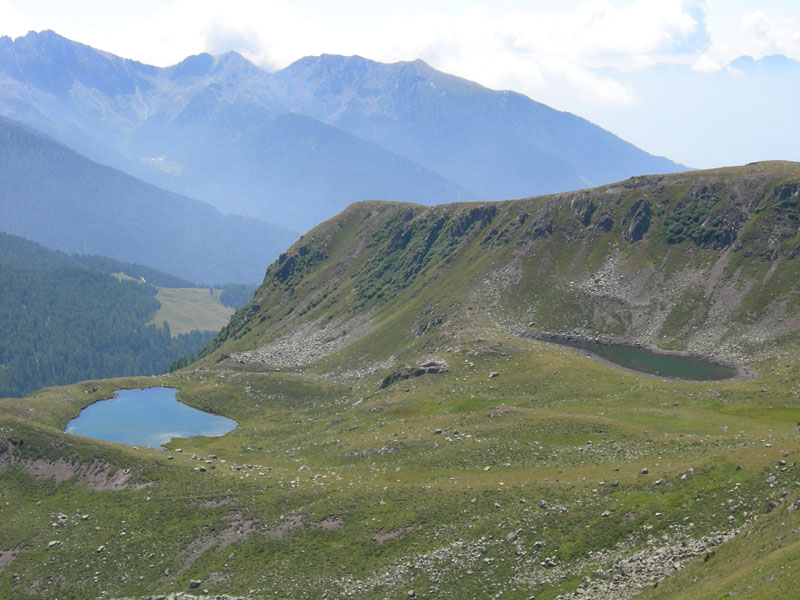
x=61, y=322
x=150, y=275
x=16, y=251
x=236, y=295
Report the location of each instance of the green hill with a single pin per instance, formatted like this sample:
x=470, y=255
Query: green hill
x=404, y=431
x=702, y=261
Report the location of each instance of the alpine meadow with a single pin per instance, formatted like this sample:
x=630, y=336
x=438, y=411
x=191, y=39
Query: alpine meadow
x=425, y=383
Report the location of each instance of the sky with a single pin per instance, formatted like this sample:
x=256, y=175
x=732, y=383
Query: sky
x=614, y=62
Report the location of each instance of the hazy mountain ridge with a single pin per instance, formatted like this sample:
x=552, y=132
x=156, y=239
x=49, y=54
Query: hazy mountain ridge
x=215, y=120
x=501, y=144
x=299, y=145
x=62, y=200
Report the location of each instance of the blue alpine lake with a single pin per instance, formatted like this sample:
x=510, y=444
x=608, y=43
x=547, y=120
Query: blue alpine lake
x=146, y=417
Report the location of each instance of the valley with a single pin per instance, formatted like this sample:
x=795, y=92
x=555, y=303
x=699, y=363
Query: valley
x=403, y=434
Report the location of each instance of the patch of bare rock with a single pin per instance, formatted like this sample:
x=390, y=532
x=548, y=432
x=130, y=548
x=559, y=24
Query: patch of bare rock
x=306, y=343
x=97, y=475
x=628, y=576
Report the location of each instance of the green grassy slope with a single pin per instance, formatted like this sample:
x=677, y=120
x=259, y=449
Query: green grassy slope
x=459, y=484
x=618, y=262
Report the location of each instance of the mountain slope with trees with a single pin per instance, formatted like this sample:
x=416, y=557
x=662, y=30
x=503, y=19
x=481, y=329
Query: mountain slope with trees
x=63, y=322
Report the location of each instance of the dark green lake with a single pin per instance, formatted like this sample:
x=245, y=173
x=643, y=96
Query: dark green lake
x=147, y=417
x=656, y=363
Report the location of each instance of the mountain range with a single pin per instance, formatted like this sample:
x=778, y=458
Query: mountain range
x=297, y=146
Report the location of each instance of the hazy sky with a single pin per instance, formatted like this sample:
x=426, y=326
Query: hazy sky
x=585, y=56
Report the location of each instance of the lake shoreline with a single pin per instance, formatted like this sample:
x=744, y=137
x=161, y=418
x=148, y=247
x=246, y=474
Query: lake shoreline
x=151, y=416
x=742, y=372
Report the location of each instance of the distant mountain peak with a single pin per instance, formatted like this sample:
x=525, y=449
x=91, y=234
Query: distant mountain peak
x=196, y=65
x=299, y=143
x=204, y=65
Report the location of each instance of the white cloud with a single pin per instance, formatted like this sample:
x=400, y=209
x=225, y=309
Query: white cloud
x=766, y=35
x=14, y=23
x=536, y=51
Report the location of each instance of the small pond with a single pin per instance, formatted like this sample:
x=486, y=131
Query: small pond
x=675, y=366
x=146, y=417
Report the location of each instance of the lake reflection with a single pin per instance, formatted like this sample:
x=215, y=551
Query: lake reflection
x=146, y=417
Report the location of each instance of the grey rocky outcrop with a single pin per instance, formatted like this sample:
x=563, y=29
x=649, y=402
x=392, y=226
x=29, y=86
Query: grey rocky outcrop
x=639, y=218
x=433, y=365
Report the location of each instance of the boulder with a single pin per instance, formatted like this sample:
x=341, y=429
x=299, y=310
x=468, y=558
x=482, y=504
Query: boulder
x=432, y=365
